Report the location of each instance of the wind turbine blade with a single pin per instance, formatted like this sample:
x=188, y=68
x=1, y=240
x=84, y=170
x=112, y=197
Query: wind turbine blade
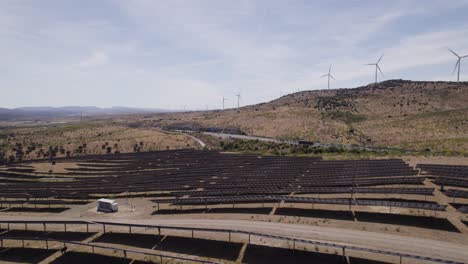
x=332, y=77
x=329, y=70
x=380, y=70
x=465, y=56
x=380, y=58
x=370, y=64
x=456, y=65
x=325, y=75
x=453, y=52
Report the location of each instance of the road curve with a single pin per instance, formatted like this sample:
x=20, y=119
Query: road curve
x=244, y=137
x=397, y=243
x=199, y=141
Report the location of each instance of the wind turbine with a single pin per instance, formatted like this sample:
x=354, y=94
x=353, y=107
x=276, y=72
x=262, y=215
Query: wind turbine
x=238, y=101
x=224, y=99
x=457, y=65
x=329, y=76
x=377, y=67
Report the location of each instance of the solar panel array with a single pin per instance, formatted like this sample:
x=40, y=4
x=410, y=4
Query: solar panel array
x=211, y=173
x=456, y=193
x=452, y=171
x=450, y=175
x=92, y=246
x=451, y=182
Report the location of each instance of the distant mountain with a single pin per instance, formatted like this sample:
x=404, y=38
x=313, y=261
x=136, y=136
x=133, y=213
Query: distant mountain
x=46, y=112
x=64, y=108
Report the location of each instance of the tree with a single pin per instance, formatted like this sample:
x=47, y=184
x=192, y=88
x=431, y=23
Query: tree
x=53, y=153
x=136, y=148
x=19, y=153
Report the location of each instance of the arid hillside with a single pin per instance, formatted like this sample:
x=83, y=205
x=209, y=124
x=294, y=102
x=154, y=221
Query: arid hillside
x=88, y=138
x=394, y=113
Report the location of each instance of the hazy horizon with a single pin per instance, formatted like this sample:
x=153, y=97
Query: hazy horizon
x=185, y=108
x=189, y=54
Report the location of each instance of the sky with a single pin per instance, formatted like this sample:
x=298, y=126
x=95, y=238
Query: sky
x=182, y=54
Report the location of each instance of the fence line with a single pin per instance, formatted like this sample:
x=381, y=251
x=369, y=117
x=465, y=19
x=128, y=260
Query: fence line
x=92, y=246
x=250, y=234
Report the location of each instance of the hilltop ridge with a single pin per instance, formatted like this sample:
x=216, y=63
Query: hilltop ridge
x=393, y=113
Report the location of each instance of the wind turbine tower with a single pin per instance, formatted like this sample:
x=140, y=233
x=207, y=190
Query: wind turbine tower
x=238, y=101
x=329, y=76
x=377, y=68
x=457, y=65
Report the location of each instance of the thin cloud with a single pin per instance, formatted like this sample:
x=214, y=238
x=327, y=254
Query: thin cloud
x=172, y=53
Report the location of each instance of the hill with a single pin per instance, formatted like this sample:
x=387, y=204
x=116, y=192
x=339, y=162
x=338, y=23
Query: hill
x=394, y=113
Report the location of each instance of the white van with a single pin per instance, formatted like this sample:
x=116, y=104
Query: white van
x=107, y=205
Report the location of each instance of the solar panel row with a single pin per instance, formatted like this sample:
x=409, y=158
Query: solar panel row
x=456, y=193
x=305, y=190
x=453, y=171
x=295, y=199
